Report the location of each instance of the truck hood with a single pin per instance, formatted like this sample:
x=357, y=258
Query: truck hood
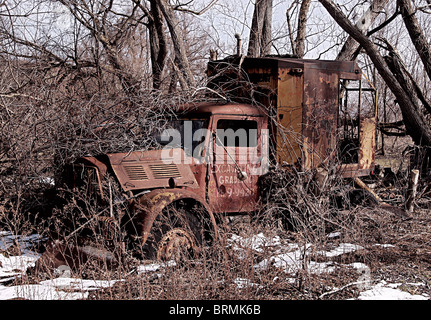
x=153, y=169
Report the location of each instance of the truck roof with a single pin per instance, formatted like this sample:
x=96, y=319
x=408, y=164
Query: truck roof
x=348, y=70
x=230, y=108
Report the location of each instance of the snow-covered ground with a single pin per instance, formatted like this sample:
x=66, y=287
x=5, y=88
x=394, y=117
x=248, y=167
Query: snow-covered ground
x=390, y=291
x=289, y=257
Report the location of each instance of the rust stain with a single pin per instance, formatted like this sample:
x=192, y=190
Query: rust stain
x=165, y=196
x=367, y=143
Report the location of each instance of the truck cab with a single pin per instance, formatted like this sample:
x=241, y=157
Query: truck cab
x=229, y=153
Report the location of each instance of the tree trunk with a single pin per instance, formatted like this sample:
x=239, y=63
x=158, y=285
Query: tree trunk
x=416, y=35
x=350, y=48
x=289, y=28
x=302, y=24
x=97, y=24
x=260, y=32
x=267, y=30
x=412, y=190
x=178, y=42
x=413, y=119
x=158, y=45
x=129, y=82
x=406, y=80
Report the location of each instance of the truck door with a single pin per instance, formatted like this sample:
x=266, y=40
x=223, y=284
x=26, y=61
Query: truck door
x=238, y=160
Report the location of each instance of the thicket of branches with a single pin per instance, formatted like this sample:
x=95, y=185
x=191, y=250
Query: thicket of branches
x=77, y=79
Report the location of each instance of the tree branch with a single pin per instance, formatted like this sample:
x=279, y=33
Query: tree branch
x=351, y=47
x=414, y=121
x=416, y=35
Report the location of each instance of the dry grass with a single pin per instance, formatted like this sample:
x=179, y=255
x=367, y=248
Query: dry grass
x=223, y=273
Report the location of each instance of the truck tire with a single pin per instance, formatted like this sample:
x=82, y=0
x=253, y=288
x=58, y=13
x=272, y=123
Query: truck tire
x=178, y=233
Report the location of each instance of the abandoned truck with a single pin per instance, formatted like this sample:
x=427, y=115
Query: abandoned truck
x=277, y=111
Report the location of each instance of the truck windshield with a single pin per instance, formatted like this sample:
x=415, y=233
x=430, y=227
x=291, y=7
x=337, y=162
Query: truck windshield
x=188, y=134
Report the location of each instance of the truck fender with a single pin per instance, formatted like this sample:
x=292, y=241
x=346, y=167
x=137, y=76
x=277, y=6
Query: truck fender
x=150, y=205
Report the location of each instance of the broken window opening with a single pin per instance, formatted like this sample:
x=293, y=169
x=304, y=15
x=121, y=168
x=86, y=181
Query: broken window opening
x=356, y=102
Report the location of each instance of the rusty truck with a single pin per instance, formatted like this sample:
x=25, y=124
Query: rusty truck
x=293, y=113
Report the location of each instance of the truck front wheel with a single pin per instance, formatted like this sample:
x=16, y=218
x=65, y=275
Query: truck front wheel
x=176, y=244
x=177, y=233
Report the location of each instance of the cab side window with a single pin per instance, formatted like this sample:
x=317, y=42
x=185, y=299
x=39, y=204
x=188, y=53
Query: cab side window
x=236, y=133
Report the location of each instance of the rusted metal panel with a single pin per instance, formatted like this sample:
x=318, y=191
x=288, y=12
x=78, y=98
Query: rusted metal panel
x=289, y=116
x=367, y=143
x=366, y=152
x=151, y=169
x=352, y=170
x=87, y=173
x=93, y=161
x=305, y=105
x=319, y=117
x=87, y=177
x=213, y=108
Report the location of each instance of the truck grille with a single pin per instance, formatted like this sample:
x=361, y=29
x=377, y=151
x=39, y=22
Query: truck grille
x=136, y=172
x=164, y=171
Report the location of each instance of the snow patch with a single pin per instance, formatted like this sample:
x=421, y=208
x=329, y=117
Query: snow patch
x=256, y=242
x=25, y=243
x=153, y=267
x=385, y=291
x=16, y=265
x=341, y=249
x=55, y=289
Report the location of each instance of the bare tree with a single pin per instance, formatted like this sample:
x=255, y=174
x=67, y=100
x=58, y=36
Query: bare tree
x=181, y=62
x=110, y=30
x=414, y=121
x=158, y=42
x=416, y=34
x=350, y=48
x=302, y=24
x=260, y=32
